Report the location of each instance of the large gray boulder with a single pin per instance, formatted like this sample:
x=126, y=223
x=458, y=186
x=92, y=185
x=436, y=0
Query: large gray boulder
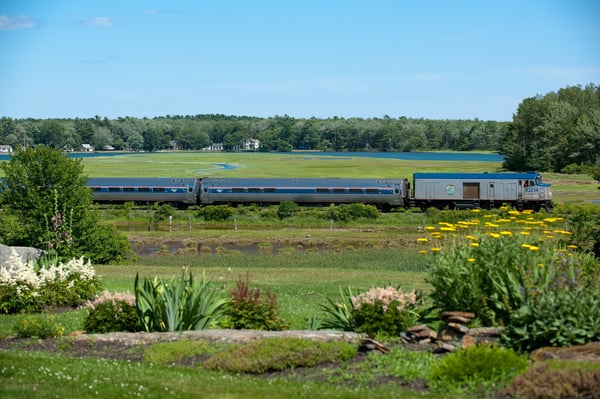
x=26, y=253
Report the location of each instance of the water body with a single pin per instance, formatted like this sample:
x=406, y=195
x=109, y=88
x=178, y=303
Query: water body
x=415, y=156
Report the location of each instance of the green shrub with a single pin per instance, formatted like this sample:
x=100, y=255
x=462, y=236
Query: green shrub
x=275, y=354
x=217, y=213
x=287, y=209
x=105, y=244
x=177, y=304
x=347, y=212
x=41, y=327
x=475, y=368
x=248, y=308
x=384, y=311
x=562, y=315
x=112, y=313
x=163, y=212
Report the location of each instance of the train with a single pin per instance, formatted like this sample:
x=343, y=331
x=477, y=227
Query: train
x=522, y=190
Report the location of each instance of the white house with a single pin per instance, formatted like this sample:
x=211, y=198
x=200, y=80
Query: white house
x=215, y=147
x=5, y=149
x=251, y=144
x=87, y=148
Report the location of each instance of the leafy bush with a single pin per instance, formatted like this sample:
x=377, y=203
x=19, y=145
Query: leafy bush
x=566, y=313
x=384, y=311
x=287, y=209
x=347, y=212
x=249, y=309
x=275, y=354
x=216, y=213
x=26, y=287
x=41, y=327
x=112, y=313
x=105, y=244
x=476, y=367
x=163, y=212
x=177, y=304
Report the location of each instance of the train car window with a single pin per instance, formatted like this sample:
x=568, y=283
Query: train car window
x=355, y=190
x=372, y=190
x=97, y=188
x=322, y=190
x=339, y=190
x=143, y=189
x=520, y=182
x=114, y=189
x=269, y=190
x=254, y=190
x=128, y=189
x=158, y=189
x=531, y=183
x=237, y=190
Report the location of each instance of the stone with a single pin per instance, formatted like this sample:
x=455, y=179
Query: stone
x=445, y=347
x=450, y=313
x=422, y=332
x=458, y=319
x=589, y=352
x=26, y=253
x=459, y=327
x=447, y=334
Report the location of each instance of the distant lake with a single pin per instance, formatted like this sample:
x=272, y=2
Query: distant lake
x=415, y=156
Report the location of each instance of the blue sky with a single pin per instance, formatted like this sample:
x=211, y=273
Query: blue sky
x=420, y=59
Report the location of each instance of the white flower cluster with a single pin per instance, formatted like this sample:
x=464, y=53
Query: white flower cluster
x=106, y=296
x=385, y=296
x=17, y=273
x=77, y=268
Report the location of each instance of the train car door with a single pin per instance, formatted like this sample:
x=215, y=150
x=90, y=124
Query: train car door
x=491, y=191
x=470, y=190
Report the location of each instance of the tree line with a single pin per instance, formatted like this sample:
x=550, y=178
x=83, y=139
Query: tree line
x=558, y=132
x=278, y=133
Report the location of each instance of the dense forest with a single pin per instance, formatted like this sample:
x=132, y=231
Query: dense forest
x=558, y=131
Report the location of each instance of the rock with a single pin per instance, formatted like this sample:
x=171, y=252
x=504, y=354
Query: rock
x=26, y=253
x=449, y=313
x=458, y=319
x=443, y=347
x=447, y=334
x=422, y=331
x=485, y=335
x=459, y=327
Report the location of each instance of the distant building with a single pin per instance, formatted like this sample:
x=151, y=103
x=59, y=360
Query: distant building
x=251, y=144
x=6, y=149
x=87, y=148
x=174, y=145
x=216, y=147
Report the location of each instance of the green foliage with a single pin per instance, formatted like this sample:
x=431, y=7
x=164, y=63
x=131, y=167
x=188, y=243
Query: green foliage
x=373, y=320
x=46, y=192
x=585, y=226
x=41, y=327
x=216, y=213
x=384, y=312
x=566, y=313
x=105, y=244
x=347, y=212
x=176, y=351
x=551, y=132
x=275, y=354
x=287, y=209
x=163, y=212
x=112, y=313
x=338, y=313
x=177, y=304
x=249, y=309
x=21, y=298
x=476, y=367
